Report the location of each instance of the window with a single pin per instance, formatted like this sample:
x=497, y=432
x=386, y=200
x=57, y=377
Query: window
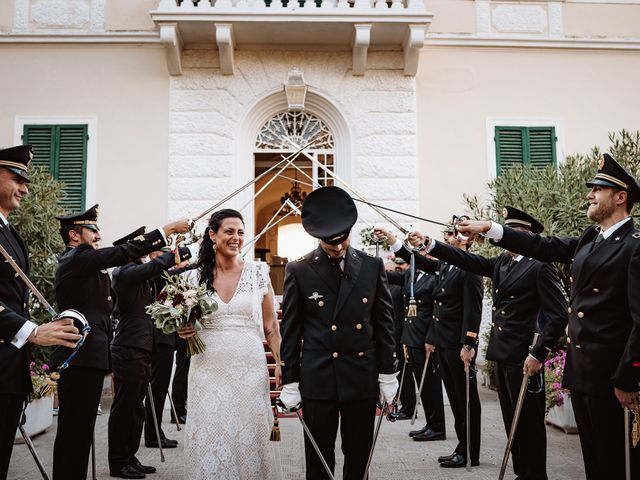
x=535, y=146
x=62, y=149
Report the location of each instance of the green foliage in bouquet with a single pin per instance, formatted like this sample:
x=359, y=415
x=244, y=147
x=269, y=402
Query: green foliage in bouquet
x=367, y=238
x=36, y=223
x=181, y=304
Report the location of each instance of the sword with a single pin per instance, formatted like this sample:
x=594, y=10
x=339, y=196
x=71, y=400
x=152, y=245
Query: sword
x=32, y=449
x=516, y=415
x=627, y=447
x=375, y=439
x=93, y=455
x=28, y=283
x=155, y=421
x=419, y=391
x=467, y=370
x=309, y=436
x=250, y=182
x=174, y=412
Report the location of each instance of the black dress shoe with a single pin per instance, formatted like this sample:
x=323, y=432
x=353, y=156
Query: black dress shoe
x=429, y=435
x=166, y=443
x=402, y=416
x=143, y=468
x=413, y=433
x=445, y=458
x=457, y=461
x=127, y=472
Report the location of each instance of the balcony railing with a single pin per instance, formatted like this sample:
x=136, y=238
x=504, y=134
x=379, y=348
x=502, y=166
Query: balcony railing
x=291, y=5
x=352, y=24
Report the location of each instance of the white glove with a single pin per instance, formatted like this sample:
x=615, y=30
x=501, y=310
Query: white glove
x=388, y=386
x=290, y=396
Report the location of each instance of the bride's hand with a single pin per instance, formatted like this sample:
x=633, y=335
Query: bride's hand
x=186, y=332
x=278, y=374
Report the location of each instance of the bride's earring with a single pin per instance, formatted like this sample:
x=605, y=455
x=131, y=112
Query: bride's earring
x=214, y=247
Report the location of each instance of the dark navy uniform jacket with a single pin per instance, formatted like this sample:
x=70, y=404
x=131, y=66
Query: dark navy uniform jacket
x=604, y=304
x=14, y=312
x=337, y=336
x=457, y=303
x=82, y=283
x=521, y=291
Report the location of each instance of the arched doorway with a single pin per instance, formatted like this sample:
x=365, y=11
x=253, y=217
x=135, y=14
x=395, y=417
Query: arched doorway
x=283, y=237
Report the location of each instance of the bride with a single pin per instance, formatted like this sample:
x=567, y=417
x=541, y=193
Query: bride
x=229, y=421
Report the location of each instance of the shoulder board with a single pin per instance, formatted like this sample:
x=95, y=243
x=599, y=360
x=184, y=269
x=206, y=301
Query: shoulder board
x=371, y=254
x=636, y=235
x=299, y=259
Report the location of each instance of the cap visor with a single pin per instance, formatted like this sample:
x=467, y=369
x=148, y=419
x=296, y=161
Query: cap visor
x=601, y=183
x=19, y=172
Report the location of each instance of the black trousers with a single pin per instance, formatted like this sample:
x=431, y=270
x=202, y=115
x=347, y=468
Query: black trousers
x=431, y=395
x=453, y=377
x=79, y=390
x=356, y=431
x=180, y=377
x=600, y=423
x=131, y=376
x=529, y=450
x=161, y=364
x=10, y=410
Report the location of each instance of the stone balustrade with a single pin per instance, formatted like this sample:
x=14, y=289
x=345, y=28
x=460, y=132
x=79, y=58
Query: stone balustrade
x=290, y=6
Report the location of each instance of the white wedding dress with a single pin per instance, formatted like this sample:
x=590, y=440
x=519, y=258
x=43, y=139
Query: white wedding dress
x=229, y=413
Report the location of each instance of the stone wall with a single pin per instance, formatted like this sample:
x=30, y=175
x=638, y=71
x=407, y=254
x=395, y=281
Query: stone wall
x=209, y=111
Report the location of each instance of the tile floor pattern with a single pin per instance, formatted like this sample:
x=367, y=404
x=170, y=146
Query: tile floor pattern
x=396, y=456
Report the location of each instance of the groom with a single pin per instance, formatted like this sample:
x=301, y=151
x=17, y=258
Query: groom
x=337, y=301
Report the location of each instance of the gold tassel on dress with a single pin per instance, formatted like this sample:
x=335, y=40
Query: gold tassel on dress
x=275, y=429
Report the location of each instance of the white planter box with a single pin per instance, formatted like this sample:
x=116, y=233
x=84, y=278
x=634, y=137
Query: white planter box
x=39, y=418
x=562, y=416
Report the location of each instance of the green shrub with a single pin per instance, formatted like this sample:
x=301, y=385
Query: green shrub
x=36, y=223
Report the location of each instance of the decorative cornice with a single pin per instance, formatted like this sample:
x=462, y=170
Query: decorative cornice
x=525, y=41
x=135, y=38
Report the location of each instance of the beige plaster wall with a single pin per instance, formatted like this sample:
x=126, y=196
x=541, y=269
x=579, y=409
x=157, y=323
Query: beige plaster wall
x=125, y=15
x=127, y=89
x=591, y=93
x=452, y=16
x=6, y=15
x=589, y=19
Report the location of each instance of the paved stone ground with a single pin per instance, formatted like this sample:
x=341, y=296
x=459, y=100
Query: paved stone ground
x=396, y=456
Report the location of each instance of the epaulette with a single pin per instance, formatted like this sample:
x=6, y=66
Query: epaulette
x=370, y=254
x=636, y=235
x=299, y=259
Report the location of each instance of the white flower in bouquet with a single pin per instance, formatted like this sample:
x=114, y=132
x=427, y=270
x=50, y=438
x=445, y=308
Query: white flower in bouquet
x=179, y=305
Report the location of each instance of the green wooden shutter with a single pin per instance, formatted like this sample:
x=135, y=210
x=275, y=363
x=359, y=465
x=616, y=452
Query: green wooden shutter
x=63, y=150
x=533, y=146
x=542, y=146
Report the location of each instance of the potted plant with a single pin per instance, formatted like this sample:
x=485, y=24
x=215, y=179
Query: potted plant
x=557, y=399
x=39, y=412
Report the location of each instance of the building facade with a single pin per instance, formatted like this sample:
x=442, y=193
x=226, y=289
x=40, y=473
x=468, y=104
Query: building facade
x=161, y=108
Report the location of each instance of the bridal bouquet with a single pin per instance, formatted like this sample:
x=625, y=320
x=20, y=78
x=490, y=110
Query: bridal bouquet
x=181, y=304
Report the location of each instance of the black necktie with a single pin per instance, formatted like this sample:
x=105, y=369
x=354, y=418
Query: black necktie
x=335, y=264
x=15, y=246
x=512, y=263
x=598, y=240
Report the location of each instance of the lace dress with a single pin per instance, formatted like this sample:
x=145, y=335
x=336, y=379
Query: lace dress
x=230, y=417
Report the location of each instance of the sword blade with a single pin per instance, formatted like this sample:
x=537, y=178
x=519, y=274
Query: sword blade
x=419, y=392
x=32, y=450
x=627, y=447
x=468, y=414
x=375, y=439
x=516, y=416
x=28, y=283
x=155, y=421
x=315, y=445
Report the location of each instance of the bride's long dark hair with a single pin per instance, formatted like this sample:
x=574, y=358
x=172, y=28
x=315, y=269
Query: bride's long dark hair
x=207, y=255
